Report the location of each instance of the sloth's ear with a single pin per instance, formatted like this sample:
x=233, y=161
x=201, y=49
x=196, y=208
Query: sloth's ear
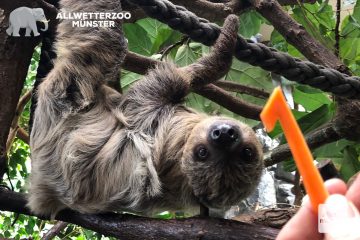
x=216, y=64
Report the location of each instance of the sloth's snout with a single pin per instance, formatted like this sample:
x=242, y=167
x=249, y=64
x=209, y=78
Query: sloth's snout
x=224, y=134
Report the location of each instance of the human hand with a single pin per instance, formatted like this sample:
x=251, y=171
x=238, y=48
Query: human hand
x=346, y=202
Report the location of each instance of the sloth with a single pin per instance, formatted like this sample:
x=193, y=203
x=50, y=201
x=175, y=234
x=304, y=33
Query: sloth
x=94, y=150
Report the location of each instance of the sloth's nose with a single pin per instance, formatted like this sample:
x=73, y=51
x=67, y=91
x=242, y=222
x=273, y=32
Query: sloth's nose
x=224, y=134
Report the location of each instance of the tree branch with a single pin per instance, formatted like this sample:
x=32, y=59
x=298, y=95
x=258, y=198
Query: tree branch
x=296, y=35
x=23, y=135
x=55, y=230
x=14, y=125
x=136, y=63
x=239, y=88
x=337, y=27
x=15, y=56
x=230, y=102
x=135, y=227
x=324, y=135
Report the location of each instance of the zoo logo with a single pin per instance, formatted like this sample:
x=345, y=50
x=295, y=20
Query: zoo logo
x=24, y=17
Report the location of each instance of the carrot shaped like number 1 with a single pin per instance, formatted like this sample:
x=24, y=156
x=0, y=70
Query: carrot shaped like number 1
x=277, y=109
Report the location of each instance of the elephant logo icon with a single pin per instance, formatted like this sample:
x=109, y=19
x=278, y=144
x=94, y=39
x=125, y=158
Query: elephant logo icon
x=24, y=17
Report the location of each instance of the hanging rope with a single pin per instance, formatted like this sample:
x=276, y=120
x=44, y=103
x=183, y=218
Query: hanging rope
x=257, y=54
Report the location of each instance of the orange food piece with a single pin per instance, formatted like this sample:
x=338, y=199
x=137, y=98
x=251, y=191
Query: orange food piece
x=277, y=109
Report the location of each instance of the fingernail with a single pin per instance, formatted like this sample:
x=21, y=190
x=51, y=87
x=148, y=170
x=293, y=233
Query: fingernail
x=342, y=217
x=337, y=206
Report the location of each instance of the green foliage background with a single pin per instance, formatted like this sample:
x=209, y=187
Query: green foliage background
x=150, y=37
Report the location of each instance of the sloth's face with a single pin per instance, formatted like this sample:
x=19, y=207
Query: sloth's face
x=223, y=161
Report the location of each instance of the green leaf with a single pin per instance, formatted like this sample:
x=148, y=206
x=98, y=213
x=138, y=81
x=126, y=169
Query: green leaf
x=173, y=38
x=196, y=101
x=249, y=75
x=308, y=89
x=307, y=122
x=162, y=36
x=141, y=45
x=165, y=215
x=349, y=44
x=324, y=15
x=88, y=234
x=289, y=165
x=311, y=16
x=279, y=42
x=350, y=164
x=152, y=27
x=252, y=76
x=278, y=129
x=157, y=32
x=350, y=50
x=332, y=150
x=316, y=118
x=185, y=56
x=350, y=27
x=354, y=21
x=310, y=99
x=127, y=78
x=69, y=229
x=250, y=23
x=29, y=227
x=7, y=234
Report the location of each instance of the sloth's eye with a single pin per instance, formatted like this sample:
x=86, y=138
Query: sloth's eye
x=202, y=152
x=247, y=154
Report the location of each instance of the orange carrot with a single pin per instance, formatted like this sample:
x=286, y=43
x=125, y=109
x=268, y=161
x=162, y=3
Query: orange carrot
x=277, y=109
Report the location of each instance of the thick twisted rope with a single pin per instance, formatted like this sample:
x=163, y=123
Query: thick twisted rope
x=257, y=54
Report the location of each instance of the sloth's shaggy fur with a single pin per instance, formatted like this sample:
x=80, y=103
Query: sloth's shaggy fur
x=94, y=150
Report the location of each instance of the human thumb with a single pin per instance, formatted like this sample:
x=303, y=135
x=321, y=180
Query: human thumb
x=341, y=217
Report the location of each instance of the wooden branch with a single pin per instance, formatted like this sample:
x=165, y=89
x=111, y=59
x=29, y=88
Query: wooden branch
x=15, y=56
x=135, y=227
x=15, y=122
x=23, y=135
x=55, y=230
x=337, y=28
x=320, y=137
x=273, y=217
x=239, y=88
x=136, y=63
x=20, y=107
x=296, y=35
x=230, y=102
